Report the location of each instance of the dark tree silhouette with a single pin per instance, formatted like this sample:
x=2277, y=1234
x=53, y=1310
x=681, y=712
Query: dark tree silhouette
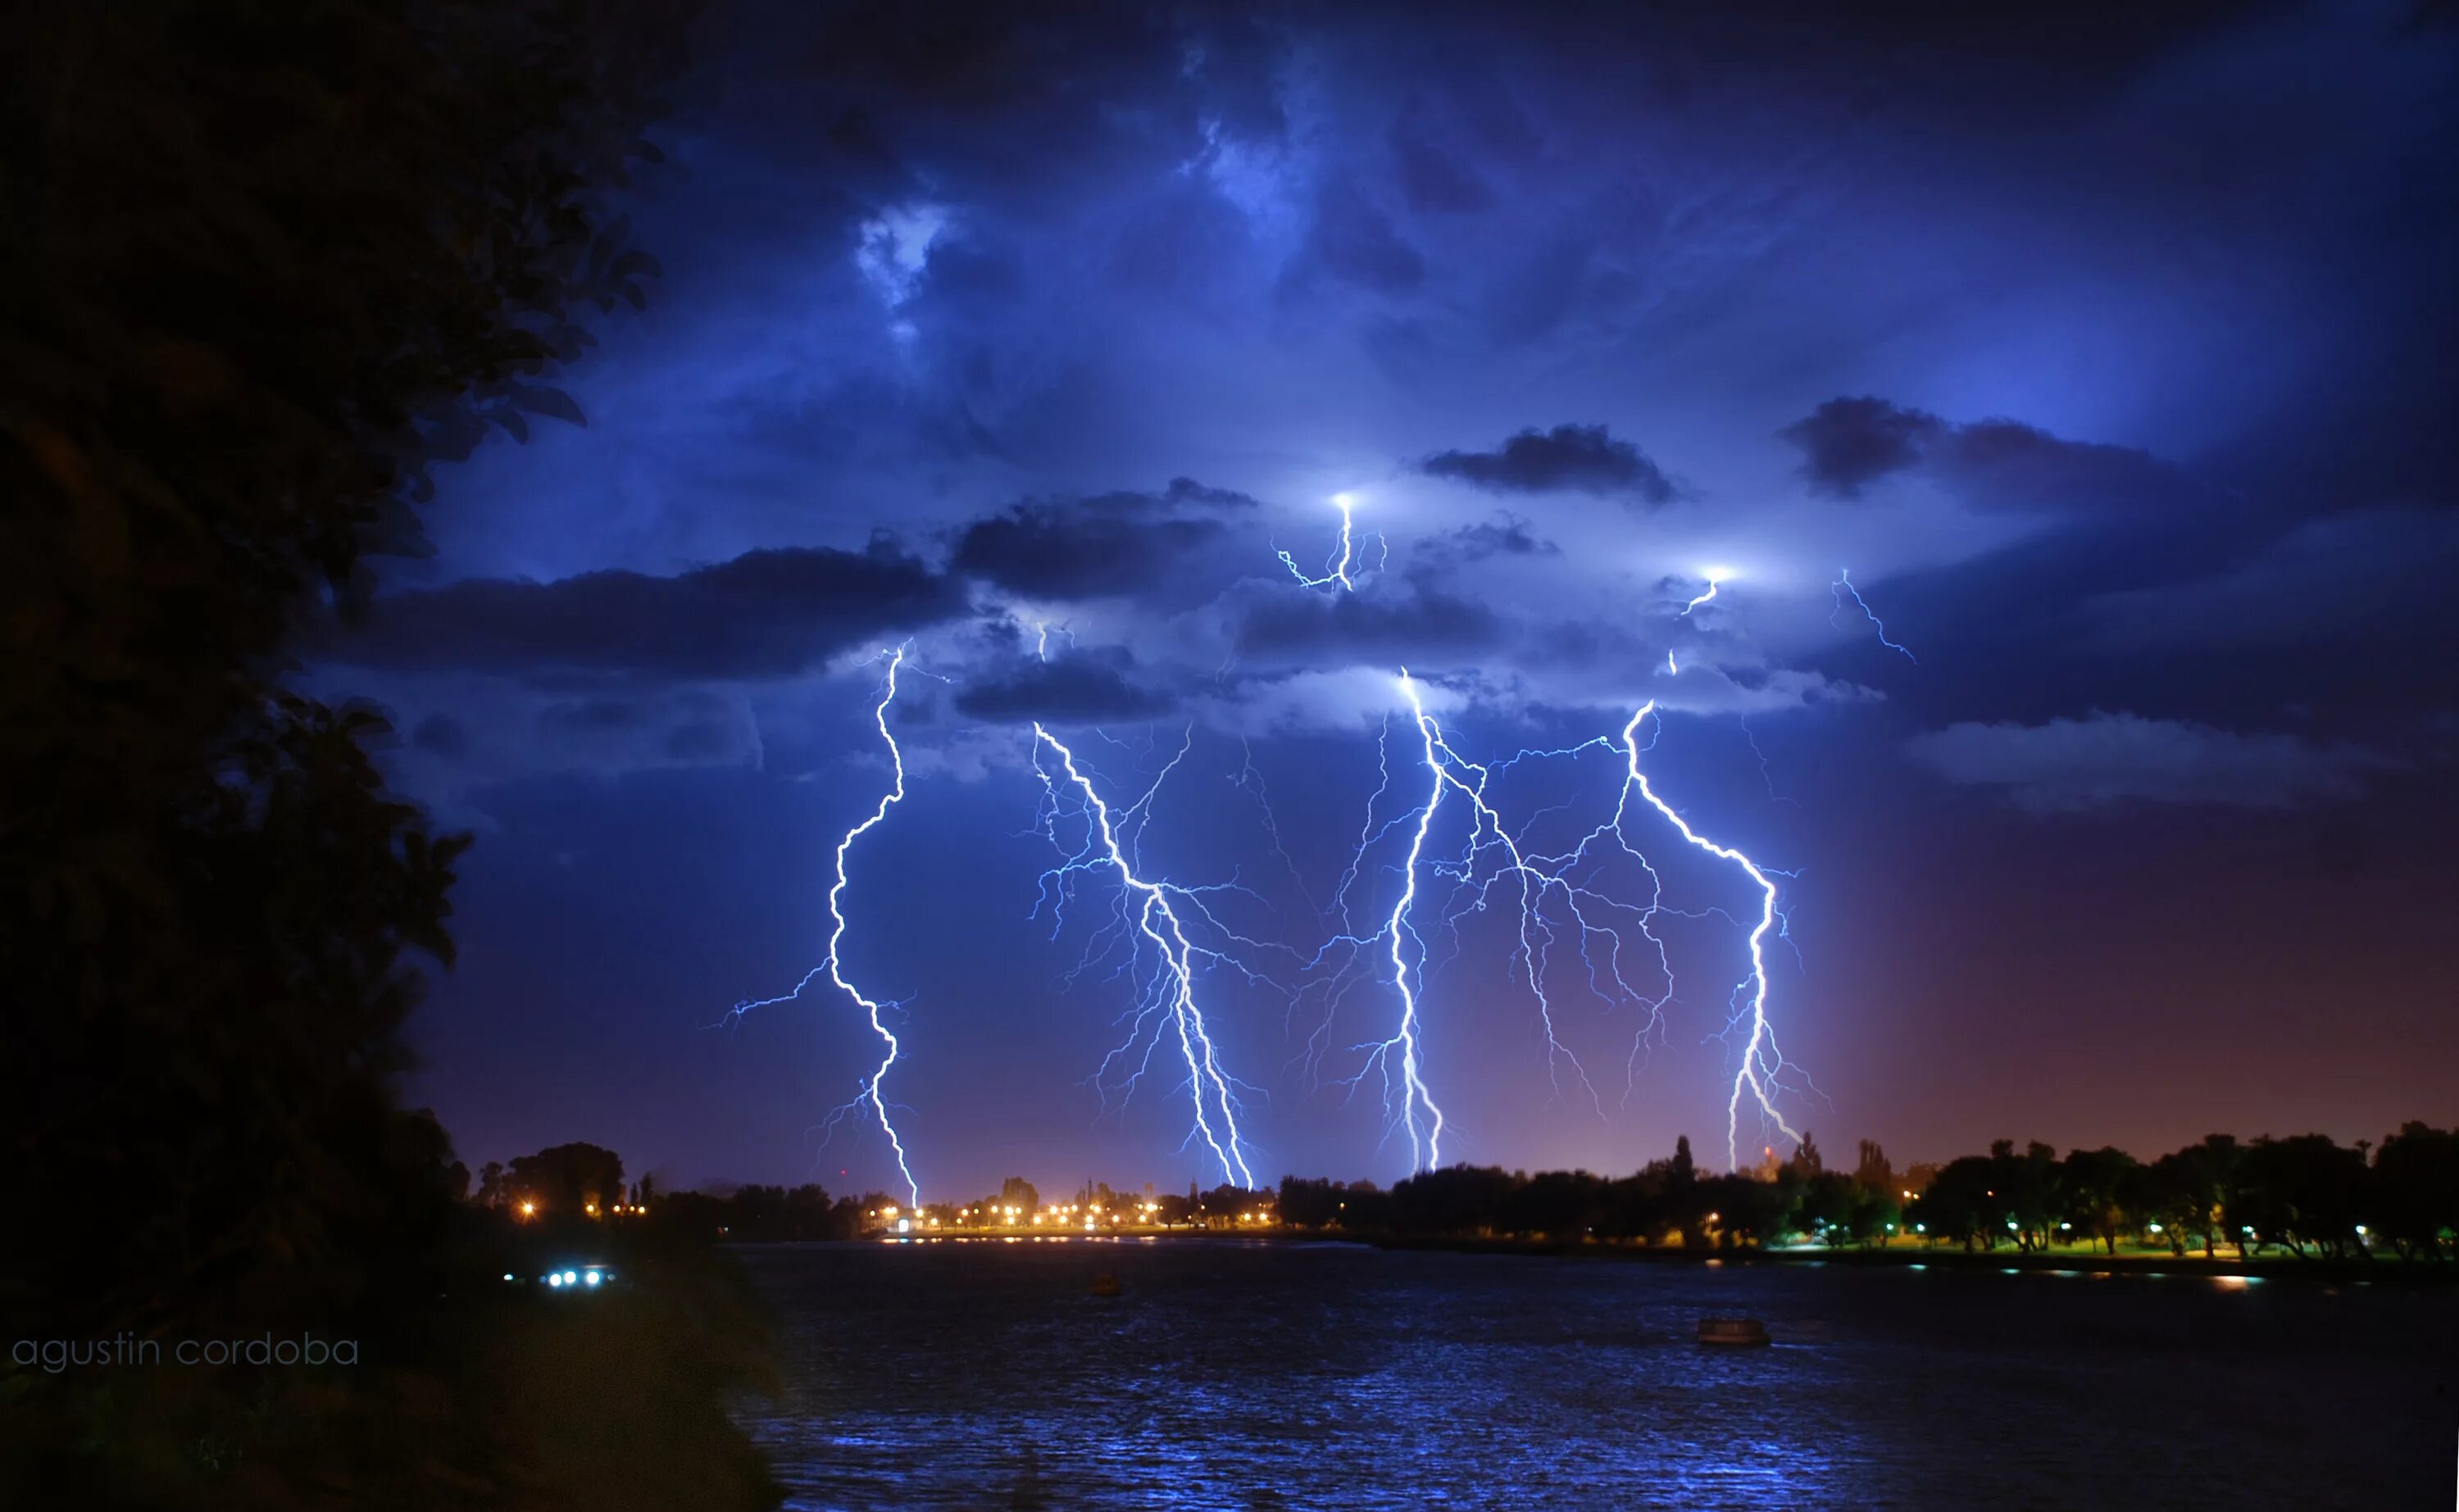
x=2308, y=1195
x=570, y=1178
x=267, y=264
x=2415, y=1191
x=2094, y=1184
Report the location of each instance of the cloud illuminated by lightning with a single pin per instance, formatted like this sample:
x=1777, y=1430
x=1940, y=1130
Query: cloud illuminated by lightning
x=1336, y=569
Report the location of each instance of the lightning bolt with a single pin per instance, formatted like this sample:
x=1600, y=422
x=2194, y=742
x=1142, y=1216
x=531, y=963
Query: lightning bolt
x=1336, y=572
x=869, y=1089
x=1552, y=895
x=1539, y=879
x=1156, y=916
x=1761, y=1059
x=1843, y=586
x=1416, y=1102
x=1703, y=598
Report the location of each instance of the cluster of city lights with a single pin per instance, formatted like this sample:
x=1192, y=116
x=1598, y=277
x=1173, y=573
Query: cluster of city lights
x=562, y=1280
x=528, y=1208
x=1086, y=1216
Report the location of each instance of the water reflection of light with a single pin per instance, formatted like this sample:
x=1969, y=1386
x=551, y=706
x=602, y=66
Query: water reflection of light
x=1445, y=1384
x=2233, y=1283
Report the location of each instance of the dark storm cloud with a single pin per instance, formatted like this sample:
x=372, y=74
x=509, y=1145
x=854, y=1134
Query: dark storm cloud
x=1111, y=545
x=661, y=730
x=1434, y=178
x=2375, y=575
x=1353, y=240
x=766, y=614
x=1508, y=537
x=1849, y=443
x=1187, y=491
x=1002, y=101
x=1081, y=688
x=440, y=734
x=2109, y=759
x=1376, y=627
x=594, y=714
x=1568, y=458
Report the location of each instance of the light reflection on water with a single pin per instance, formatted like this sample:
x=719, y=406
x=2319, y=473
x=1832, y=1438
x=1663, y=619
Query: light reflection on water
x=1252, y=1375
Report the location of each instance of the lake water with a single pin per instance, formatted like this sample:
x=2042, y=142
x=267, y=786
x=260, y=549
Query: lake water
x=1263, y=1375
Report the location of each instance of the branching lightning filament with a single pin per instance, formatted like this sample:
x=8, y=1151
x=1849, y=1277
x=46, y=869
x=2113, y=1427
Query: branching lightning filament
x=1336, y=572
x=1761, y=1061
x=869, y=1089
x=1158, y=912
x=1843, y=586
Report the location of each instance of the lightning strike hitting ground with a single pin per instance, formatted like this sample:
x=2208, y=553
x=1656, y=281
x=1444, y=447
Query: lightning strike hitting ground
x=1843, y=586
x=834, y=966
x=1413, y=1095
x=1554, y=893
x=1157, y=917
x=1761, y=1061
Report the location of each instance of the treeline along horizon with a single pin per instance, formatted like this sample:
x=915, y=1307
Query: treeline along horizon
x=2306, y=1195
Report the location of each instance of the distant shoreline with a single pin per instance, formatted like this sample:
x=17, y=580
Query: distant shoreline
x=2336, y=1273
x=2386, y=1269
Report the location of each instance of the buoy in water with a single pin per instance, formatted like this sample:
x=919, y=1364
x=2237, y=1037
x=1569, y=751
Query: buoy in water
x=1743, y=1332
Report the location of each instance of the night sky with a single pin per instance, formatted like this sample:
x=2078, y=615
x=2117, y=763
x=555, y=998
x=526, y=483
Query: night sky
x=2109, y=349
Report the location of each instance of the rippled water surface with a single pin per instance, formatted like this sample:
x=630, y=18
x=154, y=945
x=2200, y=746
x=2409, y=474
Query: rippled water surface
x=1319, y=1375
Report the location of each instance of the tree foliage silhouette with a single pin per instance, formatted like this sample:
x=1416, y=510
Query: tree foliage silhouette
x=269, y=264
